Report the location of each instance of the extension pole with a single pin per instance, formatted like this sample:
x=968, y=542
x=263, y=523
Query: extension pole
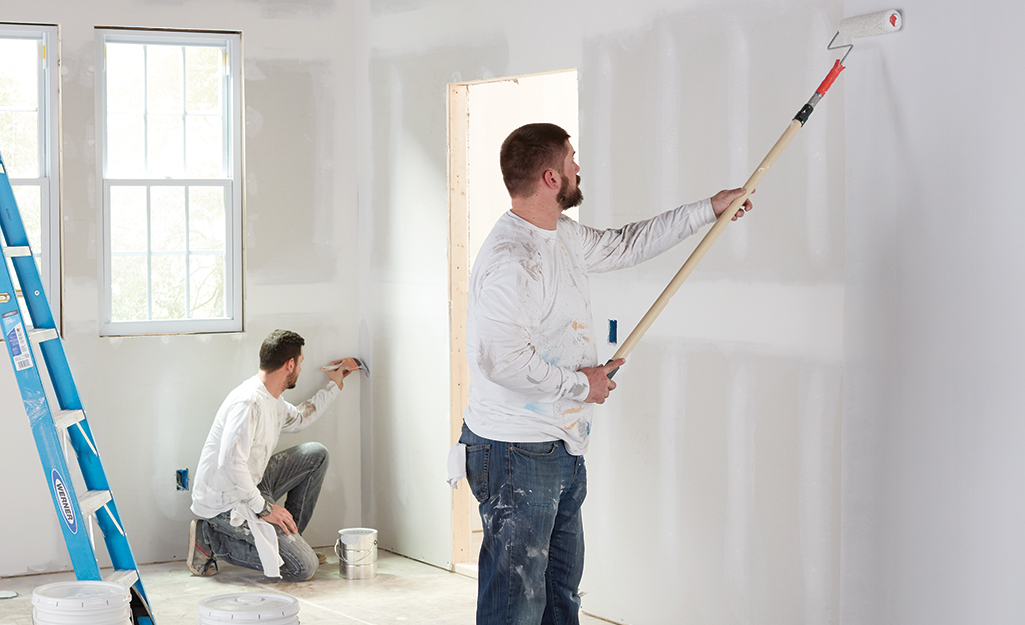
x=710, y=237
x=878, y=23
x=727, y=215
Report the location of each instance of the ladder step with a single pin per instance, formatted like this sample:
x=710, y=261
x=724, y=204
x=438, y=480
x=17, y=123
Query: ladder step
x=92, y=501
x=43, y=334
x=125, y=577
x=67, y=418
x=21, y=250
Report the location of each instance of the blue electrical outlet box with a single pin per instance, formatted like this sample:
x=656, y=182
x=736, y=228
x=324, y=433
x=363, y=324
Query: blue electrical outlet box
x=182, y=479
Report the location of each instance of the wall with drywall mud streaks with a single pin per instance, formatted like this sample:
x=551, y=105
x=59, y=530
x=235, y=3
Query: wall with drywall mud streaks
x=714, y=491
x=151, y=400
x=933, y=488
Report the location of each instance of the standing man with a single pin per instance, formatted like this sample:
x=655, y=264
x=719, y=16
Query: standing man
x=535, y=374
x=238, y=479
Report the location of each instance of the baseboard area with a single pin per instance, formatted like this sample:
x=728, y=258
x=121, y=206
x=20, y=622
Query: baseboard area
x=466, y=568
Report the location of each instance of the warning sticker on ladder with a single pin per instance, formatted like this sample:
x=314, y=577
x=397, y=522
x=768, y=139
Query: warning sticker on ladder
x=14, y=334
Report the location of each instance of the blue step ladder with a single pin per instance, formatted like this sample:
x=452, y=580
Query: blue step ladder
x=73, y=510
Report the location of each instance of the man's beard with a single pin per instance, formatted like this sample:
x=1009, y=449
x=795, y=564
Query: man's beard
x=291, y=380
x=569, y=199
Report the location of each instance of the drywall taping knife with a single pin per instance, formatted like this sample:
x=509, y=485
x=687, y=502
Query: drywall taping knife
x=878, y=23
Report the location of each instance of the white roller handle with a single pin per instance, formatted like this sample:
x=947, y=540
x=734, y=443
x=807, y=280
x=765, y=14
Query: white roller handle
x=878, y=23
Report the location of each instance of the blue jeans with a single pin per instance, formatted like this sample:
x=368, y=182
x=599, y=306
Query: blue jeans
x=298, y=472
x=532, y=556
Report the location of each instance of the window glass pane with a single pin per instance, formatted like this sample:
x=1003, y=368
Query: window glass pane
x=203, y=74
x=206, y=280
x=29, y=205
x=19, y=73
x=126, y=143
x=128, y=288
x=205, y=146
x=28, y=199
x=206, y=219
x=128, y=219
x=167, y=219
x=19, y=142
x=166, y=149
x=125, y=78
x=169, y=287
x=164, y=79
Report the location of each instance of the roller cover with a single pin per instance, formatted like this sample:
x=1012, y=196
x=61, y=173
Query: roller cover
x=878, y=23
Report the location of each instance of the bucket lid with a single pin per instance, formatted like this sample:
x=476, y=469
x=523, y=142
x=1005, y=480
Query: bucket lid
x=81, y=594
x=354, y=534
x=242, y=607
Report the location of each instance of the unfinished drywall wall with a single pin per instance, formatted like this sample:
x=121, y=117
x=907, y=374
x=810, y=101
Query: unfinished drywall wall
x=150, y=400
x=933, y=489
x=714, y=468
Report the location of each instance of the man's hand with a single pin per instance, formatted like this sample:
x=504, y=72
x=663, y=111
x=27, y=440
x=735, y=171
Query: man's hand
x=598, y=378
x=722, y=200
x=345, y=366
x=282, y=518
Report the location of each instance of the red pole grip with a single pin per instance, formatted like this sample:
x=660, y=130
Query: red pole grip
x=828, y=82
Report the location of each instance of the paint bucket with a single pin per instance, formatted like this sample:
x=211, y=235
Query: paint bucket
x=82, y=603
x=357, y=553
x=264, y=608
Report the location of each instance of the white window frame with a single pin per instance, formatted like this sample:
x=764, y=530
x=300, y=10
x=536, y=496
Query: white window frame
x=232, y=116
x=49, y=154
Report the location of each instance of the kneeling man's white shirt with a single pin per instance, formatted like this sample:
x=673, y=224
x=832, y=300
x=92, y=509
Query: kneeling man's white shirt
x=237, y=450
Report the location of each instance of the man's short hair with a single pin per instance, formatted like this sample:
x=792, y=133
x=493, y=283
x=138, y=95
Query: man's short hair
x=527, y=152
x=278, y=348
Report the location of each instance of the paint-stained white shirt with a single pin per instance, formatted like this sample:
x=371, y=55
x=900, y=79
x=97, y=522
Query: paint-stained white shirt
x=529, y=328
x=241, y=440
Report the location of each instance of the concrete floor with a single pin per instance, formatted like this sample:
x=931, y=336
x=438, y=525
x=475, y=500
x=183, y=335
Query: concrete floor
x=404, y=591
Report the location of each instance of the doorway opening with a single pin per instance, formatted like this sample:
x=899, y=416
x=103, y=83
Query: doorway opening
x=481, y=116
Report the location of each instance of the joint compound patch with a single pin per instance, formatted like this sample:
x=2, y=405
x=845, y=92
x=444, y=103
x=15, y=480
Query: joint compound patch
x=14, y=334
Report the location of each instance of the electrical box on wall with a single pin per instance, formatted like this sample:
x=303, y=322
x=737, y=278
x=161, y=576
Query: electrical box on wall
x=182, y=479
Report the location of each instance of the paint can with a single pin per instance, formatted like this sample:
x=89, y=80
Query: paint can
x=357, y=553
x=264, y=608
x=82, y=603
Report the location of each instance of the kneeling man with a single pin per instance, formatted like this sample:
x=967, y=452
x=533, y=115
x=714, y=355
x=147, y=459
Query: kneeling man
x=239, y=477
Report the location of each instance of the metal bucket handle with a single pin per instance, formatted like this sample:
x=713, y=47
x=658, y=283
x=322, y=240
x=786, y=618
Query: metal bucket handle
x=366, y=552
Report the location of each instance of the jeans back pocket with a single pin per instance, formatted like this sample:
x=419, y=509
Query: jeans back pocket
x=478, y=457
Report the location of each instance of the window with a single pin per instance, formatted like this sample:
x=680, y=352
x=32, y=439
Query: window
x=171, y=169
x=29, y=143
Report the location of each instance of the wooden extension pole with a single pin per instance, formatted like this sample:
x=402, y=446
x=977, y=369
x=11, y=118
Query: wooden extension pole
x=699, y=252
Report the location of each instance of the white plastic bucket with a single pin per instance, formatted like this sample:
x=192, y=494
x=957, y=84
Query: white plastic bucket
x=82, y=603
x=263, y=608
x=357, y=553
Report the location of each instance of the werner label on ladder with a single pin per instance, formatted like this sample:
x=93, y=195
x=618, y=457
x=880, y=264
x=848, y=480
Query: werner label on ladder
x=14, y=334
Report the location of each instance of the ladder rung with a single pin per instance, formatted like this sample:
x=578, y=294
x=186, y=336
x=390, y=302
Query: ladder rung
x=67, y=418
x=43, y=334
x=92, y=501
x=125, y=577
x=21, y=250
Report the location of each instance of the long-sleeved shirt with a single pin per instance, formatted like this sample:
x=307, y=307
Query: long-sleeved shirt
x=529, y=328
x=241, y=440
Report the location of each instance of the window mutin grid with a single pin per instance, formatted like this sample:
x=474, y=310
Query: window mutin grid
x=179, y=99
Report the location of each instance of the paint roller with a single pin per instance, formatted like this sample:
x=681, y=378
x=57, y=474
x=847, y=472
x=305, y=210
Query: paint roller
x=878, y=23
